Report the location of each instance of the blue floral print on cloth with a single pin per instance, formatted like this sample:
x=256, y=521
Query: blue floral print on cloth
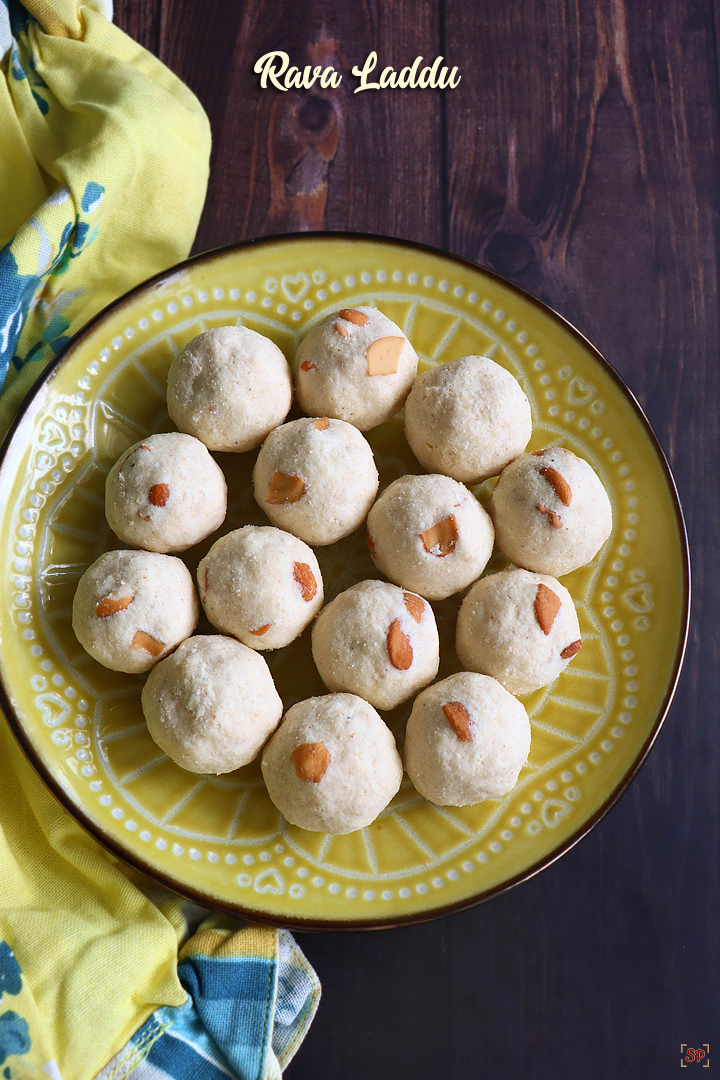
x=14, y=1029
x=103, y=170
x=10, y=980
x=17, y=290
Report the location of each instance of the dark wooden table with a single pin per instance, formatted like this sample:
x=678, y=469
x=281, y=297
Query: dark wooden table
x=579, y=156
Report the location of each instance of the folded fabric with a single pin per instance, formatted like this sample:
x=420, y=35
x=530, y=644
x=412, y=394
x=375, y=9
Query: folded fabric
x=246, y=1014
x=103, y=171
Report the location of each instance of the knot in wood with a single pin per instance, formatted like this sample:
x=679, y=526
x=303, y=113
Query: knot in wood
x=315, y=113
x=509, y=253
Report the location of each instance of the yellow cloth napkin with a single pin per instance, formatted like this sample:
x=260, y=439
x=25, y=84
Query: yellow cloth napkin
x=103, y=171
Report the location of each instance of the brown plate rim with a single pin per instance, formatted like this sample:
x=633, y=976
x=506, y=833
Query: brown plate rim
x=241, y=911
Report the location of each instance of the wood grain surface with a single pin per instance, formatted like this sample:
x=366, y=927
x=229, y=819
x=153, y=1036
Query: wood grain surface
x=579, y=157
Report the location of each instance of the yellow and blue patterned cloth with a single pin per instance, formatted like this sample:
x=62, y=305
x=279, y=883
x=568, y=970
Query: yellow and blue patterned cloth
x=250, y=1001
x=103, y=172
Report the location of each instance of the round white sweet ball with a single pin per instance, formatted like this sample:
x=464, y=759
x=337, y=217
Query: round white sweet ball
x=133, y=607
x=551, y=512
x=468, y=419
x=229, y=387
x=261, y=585
x=519, y=627
x=332, y=765
x=211, y=705
x=467, y=739
x=376, y=641
x=165, y=493
x=316, y=478
x=430, y=534
x=355, y=365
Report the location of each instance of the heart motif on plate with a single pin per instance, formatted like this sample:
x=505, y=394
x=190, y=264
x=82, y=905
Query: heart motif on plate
x=639, y=598
x=53, y=708
x=553, y=811
x=270, y=882
x=301, y=283
x=579, y=392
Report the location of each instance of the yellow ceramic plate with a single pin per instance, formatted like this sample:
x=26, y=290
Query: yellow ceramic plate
x=220, y=839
